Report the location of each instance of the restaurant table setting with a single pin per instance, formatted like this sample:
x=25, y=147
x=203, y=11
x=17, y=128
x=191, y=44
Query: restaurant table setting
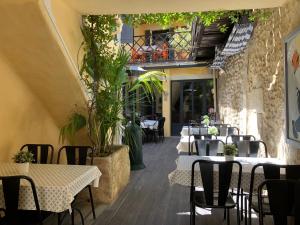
x=150, y=124
x=182, y=174
x=185, y=141
x=186, y=131
x=56, y=185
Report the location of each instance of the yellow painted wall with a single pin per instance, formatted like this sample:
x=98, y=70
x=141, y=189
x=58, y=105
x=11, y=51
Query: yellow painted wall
x=39, y=86
x=23, y=117
x=140, y=30
x=68, y=22
x=179, y=74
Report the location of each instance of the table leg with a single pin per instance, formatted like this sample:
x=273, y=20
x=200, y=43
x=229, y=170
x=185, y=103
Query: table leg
x=58, y=219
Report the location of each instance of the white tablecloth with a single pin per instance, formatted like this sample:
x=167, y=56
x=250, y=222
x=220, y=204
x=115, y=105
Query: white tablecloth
x=56, y=185
x=151, y=124
x=195, y=130
x=182, y=174
x=183, y=145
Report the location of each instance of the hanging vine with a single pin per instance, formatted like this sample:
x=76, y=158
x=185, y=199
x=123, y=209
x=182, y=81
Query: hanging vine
x=207, y=18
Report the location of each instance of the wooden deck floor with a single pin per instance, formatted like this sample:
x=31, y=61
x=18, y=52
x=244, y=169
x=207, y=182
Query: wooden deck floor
x=150, y=200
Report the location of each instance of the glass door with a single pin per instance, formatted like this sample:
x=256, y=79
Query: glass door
x=190, y=99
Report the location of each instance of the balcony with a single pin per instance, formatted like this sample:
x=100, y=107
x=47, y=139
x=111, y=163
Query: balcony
x=160, y=48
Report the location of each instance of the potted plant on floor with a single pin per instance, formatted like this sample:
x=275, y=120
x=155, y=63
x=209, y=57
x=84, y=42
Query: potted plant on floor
x=230, y=150
x=103, y=71
x=148, y=83
x=23, y=159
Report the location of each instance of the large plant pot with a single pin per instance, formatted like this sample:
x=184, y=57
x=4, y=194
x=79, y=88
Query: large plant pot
x=115, y=170
x=135, y=146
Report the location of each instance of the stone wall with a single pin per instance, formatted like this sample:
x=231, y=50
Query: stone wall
x=251, y=87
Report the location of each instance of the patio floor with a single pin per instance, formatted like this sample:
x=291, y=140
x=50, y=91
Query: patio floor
x=150, y=200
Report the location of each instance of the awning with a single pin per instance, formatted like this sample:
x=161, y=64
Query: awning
x=236, y=43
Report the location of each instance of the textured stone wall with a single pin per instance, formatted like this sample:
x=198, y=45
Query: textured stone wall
x=251, y=90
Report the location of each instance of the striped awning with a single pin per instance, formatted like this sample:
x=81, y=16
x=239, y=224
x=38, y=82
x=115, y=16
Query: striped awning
x=219, y=60
x=236, y=43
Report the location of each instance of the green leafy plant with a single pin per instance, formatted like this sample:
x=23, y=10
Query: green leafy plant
x=207, y=18
x=205, y=120
x=103, y=71
x=23, y=157
x=230, y=149
x=213, y=130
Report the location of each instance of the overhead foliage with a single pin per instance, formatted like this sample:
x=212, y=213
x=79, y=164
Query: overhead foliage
x=207, y=18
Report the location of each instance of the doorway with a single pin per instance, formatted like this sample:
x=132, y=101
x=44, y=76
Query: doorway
x=190, y=99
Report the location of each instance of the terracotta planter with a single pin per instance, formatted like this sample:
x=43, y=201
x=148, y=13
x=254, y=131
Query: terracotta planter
x=115, y=170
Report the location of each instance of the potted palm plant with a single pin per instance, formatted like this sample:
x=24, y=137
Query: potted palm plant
x=149, y=83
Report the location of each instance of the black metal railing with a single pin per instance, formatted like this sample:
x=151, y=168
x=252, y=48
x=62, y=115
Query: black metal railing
x=162, y=47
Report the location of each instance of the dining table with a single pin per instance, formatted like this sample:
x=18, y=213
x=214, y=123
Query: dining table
x=188, y=130
x=182, y=174
x=56, y=185
x=150, y=124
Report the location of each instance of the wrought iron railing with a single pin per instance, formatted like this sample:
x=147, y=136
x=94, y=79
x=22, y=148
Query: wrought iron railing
x=162, y=47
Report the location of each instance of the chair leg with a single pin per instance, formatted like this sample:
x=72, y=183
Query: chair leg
x=228, y=217
x=249, y=213
x=58, y=219
x=224, y=218
x=261, y=219
x=196, y=147
x=242, y=203
x=92, y=201
x=81, y=216
x=192, y=214
x=155, y=137
x=246, y=212
x=73, y=216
